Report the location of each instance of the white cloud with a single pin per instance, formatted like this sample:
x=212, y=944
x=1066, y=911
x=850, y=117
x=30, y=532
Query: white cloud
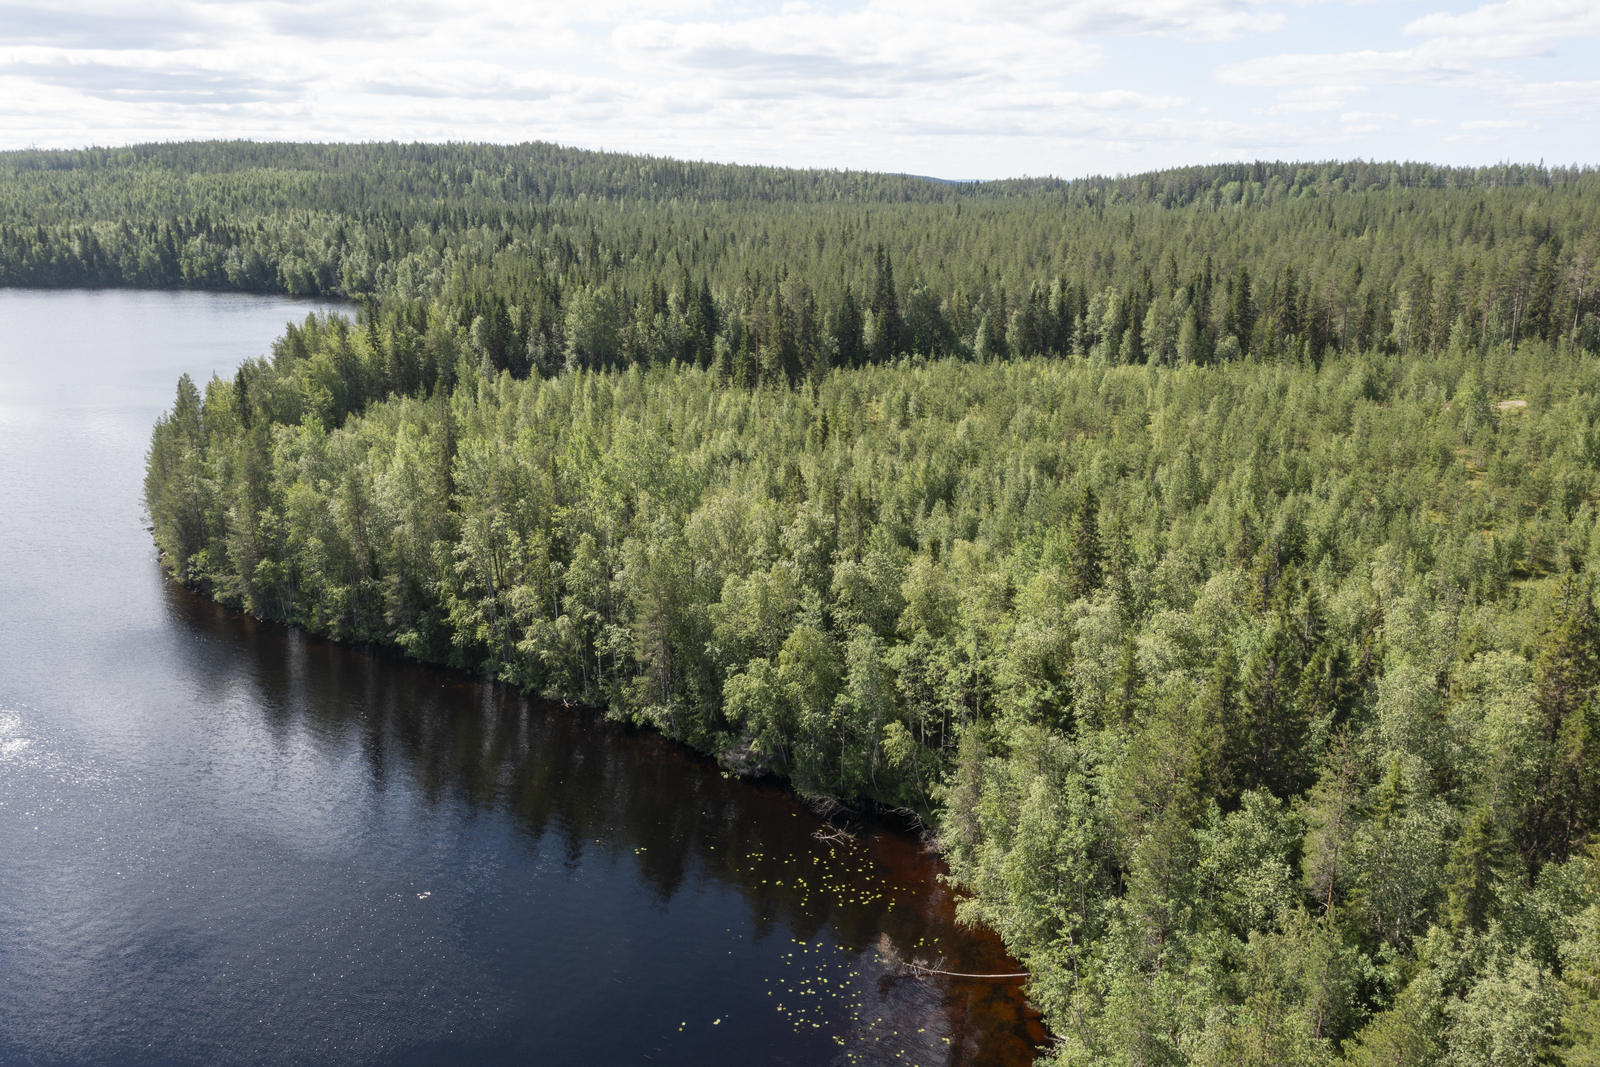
x=1455, y=50
x=1438, y=62
x=932, y=87
x=1314, y=100
x=1528, y=20
x=1482, y=58
x=1553, y=96
x=697, y=76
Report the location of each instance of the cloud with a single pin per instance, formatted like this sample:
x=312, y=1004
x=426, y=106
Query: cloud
x=396, y=20
x=1482, y=58
x=938, y=86
x=1122, y=100
x=119, y=82
x=1314, y=100
x=1529, y=20
x=864, y=51
x=153, y=25
x=853, y=53
x=1438, y=62
x=176, y=77
x=1554, y=96
x=1457, y=48
x=472, y=81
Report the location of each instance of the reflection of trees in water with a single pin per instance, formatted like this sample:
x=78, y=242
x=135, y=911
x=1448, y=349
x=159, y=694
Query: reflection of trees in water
x=604, y=790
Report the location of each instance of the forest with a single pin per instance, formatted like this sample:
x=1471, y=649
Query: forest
x=1205, y=557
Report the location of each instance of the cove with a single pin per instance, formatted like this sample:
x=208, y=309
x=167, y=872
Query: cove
x=225, y=841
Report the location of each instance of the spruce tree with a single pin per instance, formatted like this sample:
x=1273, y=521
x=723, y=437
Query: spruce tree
x=1562, y=810
x=1084, y=561
x=849, y=330
x=885, y=304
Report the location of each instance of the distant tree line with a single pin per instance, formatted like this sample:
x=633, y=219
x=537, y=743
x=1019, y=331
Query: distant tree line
x=593, y=259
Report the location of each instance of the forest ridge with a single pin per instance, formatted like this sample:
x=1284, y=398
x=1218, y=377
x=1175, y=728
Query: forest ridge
x=537, y=229
x=1204, y=554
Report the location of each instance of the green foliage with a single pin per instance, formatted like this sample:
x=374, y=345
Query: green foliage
x=1218, y=798
x=1174, y=550
x=546, y=255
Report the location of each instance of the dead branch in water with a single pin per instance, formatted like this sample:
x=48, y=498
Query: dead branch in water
x=826, y=807
x=918, y=967
x=828, y=810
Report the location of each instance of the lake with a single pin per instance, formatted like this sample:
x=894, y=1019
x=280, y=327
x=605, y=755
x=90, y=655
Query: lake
x=224, y=841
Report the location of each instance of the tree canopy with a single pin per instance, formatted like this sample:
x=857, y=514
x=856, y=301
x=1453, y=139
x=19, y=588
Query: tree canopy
x=1206, y=555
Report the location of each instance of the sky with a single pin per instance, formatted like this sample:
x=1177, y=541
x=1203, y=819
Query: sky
x=952, y=90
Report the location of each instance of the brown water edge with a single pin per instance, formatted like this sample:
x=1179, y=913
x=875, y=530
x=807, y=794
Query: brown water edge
x=856, y=909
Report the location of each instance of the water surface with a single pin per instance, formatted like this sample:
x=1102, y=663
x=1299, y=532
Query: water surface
x=224, y=841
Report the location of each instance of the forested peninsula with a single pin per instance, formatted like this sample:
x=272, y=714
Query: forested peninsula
x=1205, y=556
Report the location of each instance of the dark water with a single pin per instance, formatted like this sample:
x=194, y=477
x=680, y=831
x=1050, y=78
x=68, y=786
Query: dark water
x=222, y=841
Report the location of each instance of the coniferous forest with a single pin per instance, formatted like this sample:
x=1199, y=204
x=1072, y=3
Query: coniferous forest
x=1206, y=557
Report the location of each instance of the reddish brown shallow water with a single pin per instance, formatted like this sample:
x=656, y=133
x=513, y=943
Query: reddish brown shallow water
x=227, y=842
x=812, y=929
